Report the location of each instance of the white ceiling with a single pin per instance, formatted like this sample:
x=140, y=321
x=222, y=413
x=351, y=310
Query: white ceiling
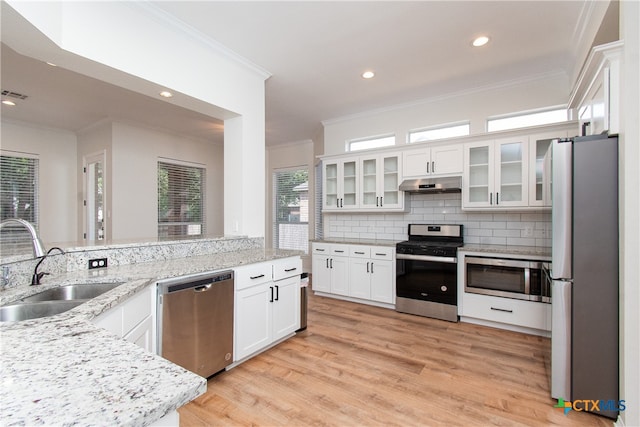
x=316, y=51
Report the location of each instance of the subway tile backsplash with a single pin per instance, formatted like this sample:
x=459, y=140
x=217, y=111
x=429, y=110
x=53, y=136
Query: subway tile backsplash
x=494, y=228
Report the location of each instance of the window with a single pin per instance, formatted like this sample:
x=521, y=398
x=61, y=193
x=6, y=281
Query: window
x=180, y=200
x=18, y=199
x=439, y=132
x=522, y=120
x=367, y=143
x=291, y=209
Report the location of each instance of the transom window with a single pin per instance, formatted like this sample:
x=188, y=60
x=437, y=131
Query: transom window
x=439, y=132
x=375, y=142
x=526, y=119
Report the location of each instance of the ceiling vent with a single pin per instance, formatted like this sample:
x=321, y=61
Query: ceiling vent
x=12, y=94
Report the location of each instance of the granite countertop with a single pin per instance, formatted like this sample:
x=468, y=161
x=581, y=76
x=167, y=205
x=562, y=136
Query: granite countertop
x=357, y=241
x=504, y=250
x=64, y=369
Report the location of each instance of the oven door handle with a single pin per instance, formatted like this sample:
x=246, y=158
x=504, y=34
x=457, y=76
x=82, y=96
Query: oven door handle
x=448, y=260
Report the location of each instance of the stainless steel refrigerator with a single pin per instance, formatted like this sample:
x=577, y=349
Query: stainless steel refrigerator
x=584, y=335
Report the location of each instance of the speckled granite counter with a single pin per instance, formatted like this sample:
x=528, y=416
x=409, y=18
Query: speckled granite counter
x=64, y=370
x=355, y=241
x=503, y=250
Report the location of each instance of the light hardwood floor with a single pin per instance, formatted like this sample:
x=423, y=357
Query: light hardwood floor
x=357, y=365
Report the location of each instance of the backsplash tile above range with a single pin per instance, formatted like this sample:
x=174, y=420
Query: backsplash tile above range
x=490, y=228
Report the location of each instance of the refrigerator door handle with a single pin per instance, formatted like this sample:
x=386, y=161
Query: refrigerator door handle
x=561, y=215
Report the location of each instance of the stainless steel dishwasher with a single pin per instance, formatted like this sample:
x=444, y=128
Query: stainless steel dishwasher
x=195, y=321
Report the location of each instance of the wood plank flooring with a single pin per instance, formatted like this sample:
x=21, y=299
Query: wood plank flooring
x=357, y=365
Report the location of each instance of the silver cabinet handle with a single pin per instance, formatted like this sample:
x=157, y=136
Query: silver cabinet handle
x=359, y=253
x=427, y=167
x=497, y=198
x=271, y=288
x=256, y=277
x=287, y=270
x=277, y=292
x=331, y=263
x=367, y=267
x=433, y=167
x=371, y=268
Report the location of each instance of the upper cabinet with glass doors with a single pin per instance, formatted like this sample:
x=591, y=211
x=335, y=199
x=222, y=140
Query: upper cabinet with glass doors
x=363, y=184
x=496, y=174
x=340, y=184
x=539, y=146
x=380, y=179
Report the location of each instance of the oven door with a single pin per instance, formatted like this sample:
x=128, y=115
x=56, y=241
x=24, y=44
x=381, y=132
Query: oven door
x=427, y=278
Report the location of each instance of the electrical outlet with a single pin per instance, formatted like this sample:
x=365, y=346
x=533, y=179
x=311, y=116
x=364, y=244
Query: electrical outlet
x=97, y=263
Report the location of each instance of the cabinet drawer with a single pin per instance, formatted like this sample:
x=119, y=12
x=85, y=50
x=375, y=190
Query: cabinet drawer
x=382, y=252
x=359, y=251
x=321, y=248
x=339, y=250
x=253, y=274
x=287, y=267
x=505, y=310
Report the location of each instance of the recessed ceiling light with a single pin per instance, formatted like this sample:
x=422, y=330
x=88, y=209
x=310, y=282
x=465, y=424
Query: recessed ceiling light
x=7, y=102
x=368, y=75
x=480, y=41
x=166, y=94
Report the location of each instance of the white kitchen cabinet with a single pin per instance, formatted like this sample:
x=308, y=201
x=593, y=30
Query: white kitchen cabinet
x=360, y=273
x=379, y=181
x=340, y=184
x=527, y=314
x=330, y=268
x=496, y=174
x=596, y=96
x=133, y=319
x=439, y=160
x=539, y=145
x=372, y=273
x=267, y=304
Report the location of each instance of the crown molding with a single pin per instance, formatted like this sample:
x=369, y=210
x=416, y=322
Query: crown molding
x=167, y=19
x=502, y=85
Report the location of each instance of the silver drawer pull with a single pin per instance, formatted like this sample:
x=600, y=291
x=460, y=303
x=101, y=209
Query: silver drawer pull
x=339, y=251
x=359, y=253
x=502, y=309
x=256, y=277
x=290, y=269
x=381, y=254
x=319, y=250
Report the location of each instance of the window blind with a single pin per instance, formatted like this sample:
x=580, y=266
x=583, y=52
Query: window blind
x=291, y=209
x=18, y=199
x=181, y=200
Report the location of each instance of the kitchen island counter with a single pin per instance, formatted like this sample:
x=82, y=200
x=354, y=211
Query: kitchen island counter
x=64, y=369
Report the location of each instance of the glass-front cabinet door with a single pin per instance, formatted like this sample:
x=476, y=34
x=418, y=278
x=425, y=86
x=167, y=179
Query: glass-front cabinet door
x=512, y=173
x=478, y=185
x=379, y=182
x=340, y=185
x=539, y=145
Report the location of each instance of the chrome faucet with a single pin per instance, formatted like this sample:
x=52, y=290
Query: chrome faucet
x=38, y=249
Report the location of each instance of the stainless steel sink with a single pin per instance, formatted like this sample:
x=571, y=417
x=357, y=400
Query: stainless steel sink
x=53, y=301
x=35, y=310
x=72, y=292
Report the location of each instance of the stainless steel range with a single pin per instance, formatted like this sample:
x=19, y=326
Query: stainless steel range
x=426, y=271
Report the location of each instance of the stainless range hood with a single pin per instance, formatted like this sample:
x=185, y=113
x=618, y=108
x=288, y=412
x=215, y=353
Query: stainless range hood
x=452, y=184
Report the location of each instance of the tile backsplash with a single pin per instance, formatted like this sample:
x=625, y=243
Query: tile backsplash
x=494, y=228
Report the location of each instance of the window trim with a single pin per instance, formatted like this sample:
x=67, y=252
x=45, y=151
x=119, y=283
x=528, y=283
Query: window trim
x=203, y=195
x=274, y=209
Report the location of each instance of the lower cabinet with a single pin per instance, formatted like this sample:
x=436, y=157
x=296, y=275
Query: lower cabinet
x=267, y=304
x=133, y=320
x=527, y=314
x=365, y=273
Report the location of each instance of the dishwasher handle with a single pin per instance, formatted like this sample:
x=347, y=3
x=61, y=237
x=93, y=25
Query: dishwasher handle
x=204, y=288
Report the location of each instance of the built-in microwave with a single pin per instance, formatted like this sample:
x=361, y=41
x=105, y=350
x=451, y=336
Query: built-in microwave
x=510, y=278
